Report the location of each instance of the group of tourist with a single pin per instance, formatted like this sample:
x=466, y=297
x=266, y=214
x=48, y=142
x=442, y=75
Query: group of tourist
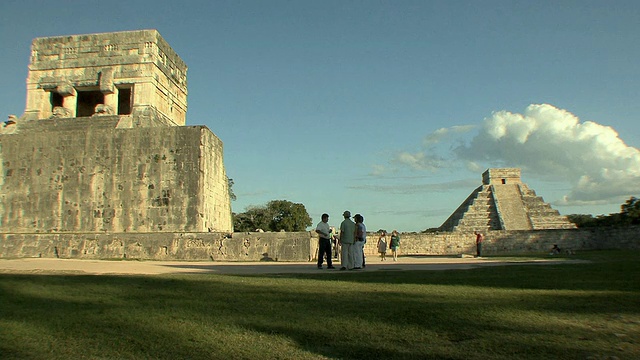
x=382, y=245
x=352, y=238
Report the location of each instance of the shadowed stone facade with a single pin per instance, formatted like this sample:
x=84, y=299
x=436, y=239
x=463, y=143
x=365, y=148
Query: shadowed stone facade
x=102, y=146
x=504, y=202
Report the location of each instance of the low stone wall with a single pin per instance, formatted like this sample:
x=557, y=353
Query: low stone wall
x=513, y=242
x=298, y=246
x=278, y=246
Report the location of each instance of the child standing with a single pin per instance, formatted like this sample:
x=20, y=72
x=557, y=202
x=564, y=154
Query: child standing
x=382, y=246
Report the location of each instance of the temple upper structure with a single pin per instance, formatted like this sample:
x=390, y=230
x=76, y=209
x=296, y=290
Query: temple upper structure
x=123, y=73
x=504, y=202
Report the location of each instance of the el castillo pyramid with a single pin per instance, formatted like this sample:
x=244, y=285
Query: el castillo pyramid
x=504, y=202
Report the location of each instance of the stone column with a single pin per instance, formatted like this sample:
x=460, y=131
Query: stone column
x=69, y=97
x=108, y=89
x=111, y=100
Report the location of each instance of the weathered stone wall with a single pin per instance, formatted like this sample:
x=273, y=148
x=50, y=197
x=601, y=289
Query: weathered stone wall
x=297, y=246
x=514, y=242
x=85, y=175
x=276, y=246
x=215, y=205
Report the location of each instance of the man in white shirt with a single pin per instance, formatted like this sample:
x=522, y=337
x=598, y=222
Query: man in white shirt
x=324, y=241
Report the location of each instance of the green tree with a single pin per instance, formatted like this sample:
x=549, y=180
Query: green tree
x=288, y=216
x=276, y=215
x=256, y=217
x=629, y=215
x=582, y=220
x=630, y=211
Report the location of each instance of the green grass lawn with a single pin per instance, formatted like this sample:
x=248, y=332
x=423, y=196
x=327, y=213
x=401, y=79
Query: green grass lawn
x=567, y=311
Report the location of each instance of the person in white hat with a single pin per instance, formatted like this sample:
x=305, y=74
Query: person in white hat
x=347, y=241
x=361, y=239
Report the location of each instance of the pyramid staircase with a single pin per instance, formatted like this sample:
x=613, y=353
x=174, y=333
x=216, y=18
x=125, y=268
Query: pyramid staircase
x=477, y=212
x=511, y=210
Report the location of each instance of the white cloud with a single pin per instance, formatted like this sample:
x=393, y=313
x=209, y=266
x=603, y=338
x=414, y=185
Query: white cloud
x=548, y=143
x=431, y=158
x=418, y=160
x=377, y=170
x=443, y=133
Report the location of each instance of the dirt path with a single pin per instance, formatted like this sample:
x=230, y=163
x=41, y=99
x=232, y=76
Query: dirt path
x=130, y=267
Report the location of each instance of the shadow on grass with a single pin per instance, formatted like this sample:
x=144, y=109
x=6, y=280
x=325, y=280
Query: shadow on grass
x=168, y=318
x=498, y=312
x=600, y=276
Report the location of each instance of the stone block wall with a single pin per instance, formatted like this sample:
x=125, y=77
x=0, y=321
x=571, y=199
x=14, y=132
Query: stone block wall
x=450, y=243
x=298, y=246
x=277, y=246
x=76, y=177
x=140, y=64
x=514, y=242
x=497, y=176
x=215, y=208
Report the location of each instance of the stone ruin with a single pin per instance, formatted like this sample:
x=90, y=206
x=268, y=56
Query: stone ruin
x=504, y=202
x=101, y=165
x=102, y=145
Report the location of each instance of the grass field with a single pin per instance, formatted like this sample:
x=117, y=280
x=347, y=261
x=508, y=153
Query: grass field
x=568, y=311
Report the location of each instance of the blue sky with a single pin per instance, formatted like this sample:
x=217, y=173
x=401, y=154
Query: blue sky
x=392, y=109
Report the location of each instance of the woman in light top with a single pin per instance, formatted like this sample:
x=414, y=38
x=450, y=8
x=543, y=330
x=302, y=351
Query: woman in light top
x=382, y=246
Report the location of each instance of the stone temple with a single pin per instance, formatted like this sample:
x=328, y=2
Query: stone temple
x=102, y=145
x=504, y=202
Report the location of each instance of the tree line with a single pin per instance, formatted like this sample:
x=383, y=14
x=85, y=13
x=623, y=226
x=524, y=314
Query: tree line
x=276, y=215
x=629, y=215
